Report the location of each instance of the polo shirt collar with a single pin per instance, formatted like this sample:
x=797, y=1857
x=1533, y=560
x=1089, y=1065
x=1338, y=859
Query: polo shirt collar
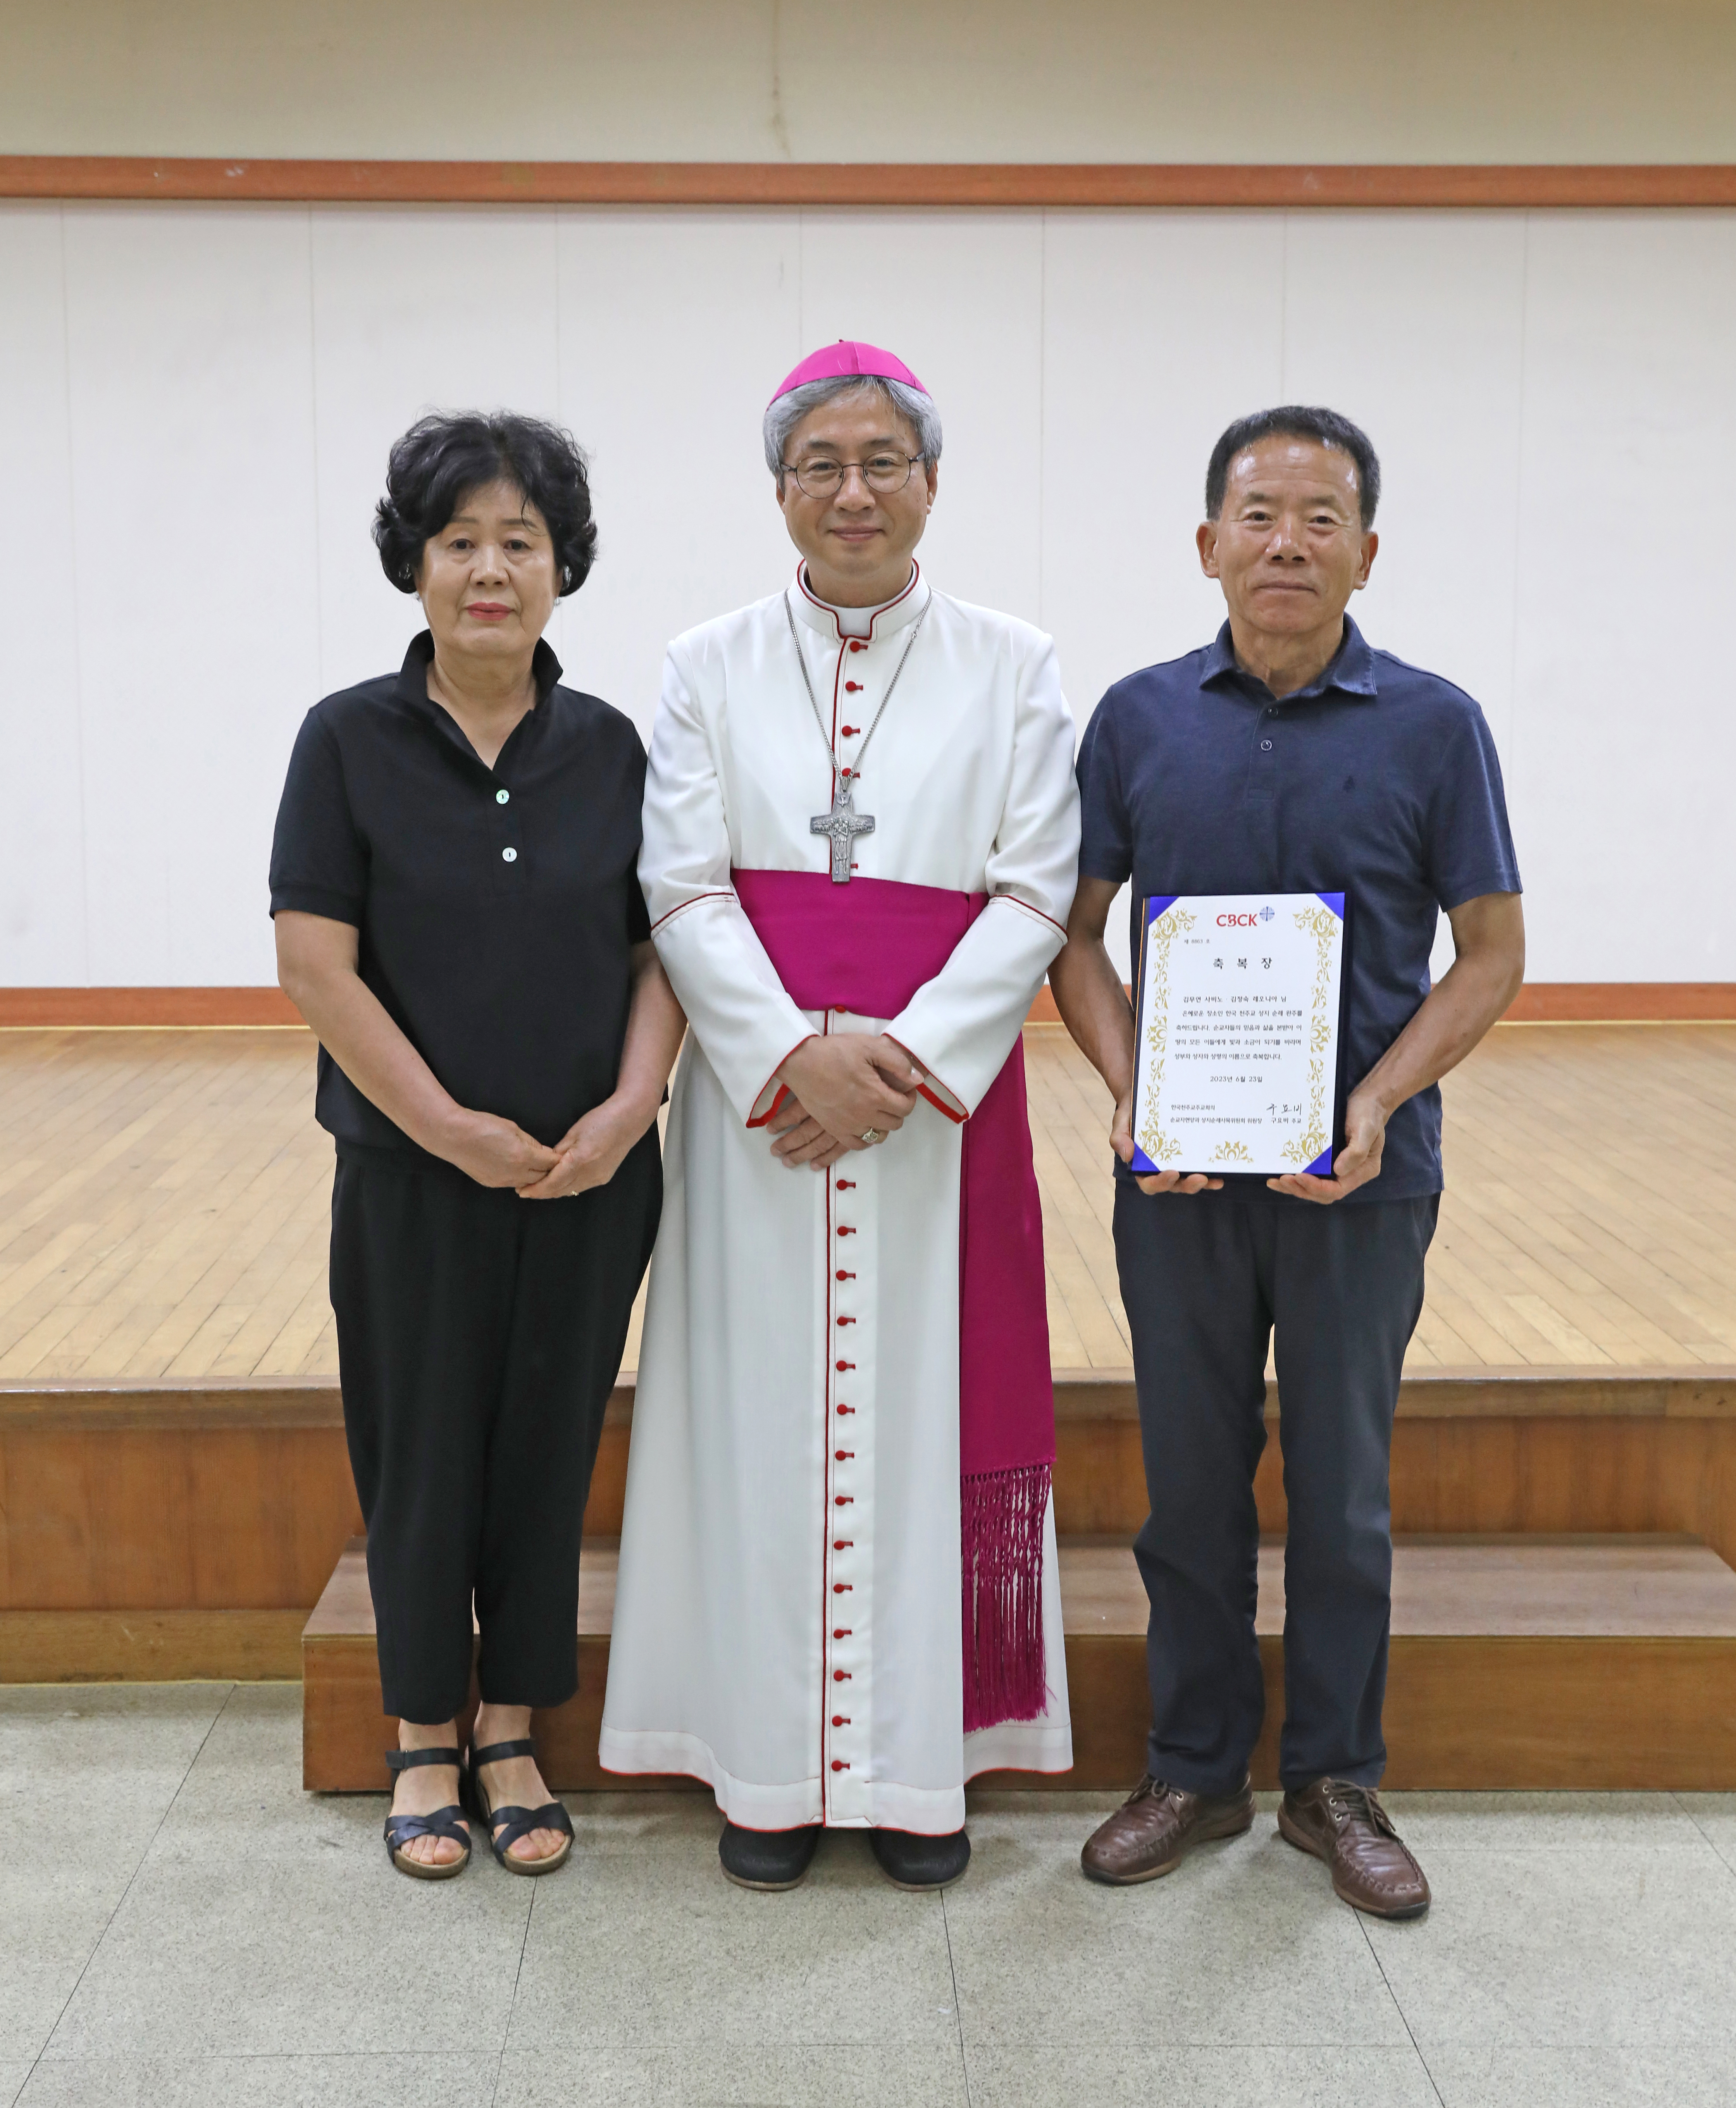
x=412, y=677
x=1351, y=670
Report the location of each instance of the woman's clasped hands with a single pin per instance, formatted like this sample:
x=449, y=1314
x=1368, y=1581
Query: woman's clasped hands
x=497, y=1152
x=593, y=1150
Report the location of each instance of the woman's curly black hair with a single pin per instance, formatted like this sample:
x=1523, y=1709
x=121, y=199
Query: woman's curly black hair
x=448, y=454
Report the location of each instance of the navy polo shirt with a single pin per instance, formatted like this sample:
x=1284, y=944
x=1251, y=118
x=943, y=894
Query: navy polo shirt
x=1376, y=780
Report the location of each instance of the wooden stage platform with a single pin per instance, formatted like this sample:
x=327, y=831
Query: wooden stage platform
x=163, y=1205
x=174, y=1494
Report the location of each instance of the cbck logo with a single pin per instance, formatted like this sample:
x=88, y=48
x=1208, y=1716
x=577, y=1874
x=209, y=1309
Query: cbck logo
x=1246, y=921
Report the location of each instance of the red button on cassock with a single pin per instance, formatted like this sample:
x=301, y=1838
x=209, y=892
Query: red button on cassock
x=843, y=1589
x=838, y=1764
x=842, y=1365
x=846, y=1321
x=856, y=644
x=843, y=1501
x=840, y=1676
x=840, y=1719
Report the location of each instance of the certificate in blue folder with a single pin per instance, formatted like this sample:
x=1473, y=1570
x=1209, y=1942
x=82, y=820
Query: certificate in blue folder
x=1239, y=1014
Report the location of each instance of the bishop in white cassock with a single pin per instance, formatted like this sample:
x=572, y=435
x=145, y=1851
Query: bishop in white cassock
x=837, y=1597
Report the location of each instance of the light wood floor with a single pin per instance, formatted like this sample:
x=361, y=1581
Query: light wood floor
x=1590, y=1217
x=164, y=1203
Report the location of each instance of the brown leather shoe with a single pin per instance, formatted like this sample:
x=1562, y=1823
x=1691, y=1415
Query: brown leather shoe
x=1157, y=1826
x=1346, y=1826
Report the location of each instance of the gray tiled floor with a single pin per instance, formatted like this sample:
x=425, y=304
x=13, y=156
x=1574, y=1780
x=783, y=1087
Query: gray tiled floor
x=204, y=1933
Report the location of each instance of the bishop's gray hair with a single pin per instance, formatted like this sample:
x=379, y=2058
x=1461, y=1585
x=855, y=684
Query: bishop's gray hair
x=783, y=415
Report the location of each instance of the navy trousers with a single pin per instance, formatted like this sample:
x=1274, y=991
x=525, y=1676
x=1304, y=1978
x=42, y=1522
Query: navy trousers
x=1207, y=1281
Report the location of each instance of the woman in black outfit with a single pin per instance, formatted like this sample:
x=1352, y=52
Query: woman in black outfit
x=459, y=919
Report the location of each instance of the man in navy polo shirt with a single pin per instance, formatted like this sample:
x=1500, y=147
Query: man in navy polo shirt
x=1286, y=756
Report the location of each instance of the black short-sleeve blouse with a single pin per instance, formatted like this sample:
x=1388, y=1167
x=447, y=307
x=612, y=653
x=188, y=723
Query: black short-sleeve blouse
x=496, y=907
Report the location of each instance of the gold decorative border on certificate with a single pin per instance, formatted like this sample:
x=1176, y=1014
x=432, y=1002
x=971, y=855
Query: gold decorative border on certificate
x=1322, y=923
x=1158, y=935
x=1234, y=1152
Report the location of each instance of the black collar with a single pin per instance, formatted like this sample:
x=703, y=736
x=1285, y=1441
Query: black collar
x=412, y=677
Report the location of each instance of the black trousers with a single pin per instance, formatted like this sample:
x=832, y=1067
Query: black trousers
x=478, y=1336
x=1205, y=1282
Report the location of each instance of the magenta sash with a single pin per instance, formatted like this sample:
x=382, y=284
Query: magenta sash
x=867, y=947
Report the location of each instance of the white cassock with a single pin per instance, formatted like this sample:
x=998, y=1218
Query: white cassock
x=786, y=1623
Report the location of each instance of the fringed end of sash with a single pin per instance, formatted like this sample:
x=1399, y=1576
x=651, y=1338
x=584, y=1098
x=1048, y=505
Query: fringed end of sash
x=1001, y=1516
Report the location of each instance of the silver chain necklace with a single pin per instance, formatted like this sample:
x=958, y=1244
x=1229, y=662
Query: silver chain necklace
x=843, y=823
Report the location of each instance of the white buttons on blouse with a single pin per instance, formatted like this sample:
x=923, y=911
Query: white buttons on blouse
x=509, y=856
x=502, y=796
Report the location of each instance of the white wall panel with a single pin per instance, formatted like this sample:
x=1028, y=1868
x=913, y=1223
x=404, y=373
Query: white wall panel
x=1412, y=326
x=1625, y=750
x=190, y=372
x=958, y=296
x=41, y=794
x=412, y=310
x=674, y=329
x=198, y=402
x=1158, y=329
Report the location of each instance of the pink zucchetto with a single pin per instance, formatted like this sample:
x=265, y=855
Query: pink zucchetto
x=838, y=361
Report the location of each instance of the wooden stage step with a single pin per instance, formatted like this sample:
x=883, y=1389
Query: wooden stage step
x=184, y=1529
x=1560, y=1663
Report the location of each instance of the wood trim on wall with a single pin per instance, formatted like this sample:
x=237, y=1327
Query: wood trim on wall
x=1538, y=1002
x=59, y=1006
x=1623, y=1002
x=1026, y=184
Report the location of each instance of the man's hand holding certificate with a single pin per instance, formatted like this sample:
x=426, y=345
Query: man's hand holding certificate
x=1237, y=1058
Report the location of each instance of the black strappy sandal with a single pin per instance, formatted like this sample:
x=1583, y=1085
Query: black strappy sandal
x=443, y=1822
x=513, y=1822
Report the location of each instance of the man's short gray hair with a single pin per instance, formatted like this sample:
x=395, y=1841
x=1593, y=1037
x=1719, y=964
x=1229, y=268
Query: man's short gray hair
x=787, y=412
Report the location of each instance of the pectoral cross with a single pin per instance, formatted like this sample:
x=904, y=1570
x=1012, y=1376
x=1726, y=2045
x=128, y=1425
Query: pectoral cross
x=843, y=823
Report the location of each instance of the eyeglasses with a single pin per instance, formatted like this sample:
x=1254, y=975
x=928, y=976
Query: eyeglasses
x=821, y=475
